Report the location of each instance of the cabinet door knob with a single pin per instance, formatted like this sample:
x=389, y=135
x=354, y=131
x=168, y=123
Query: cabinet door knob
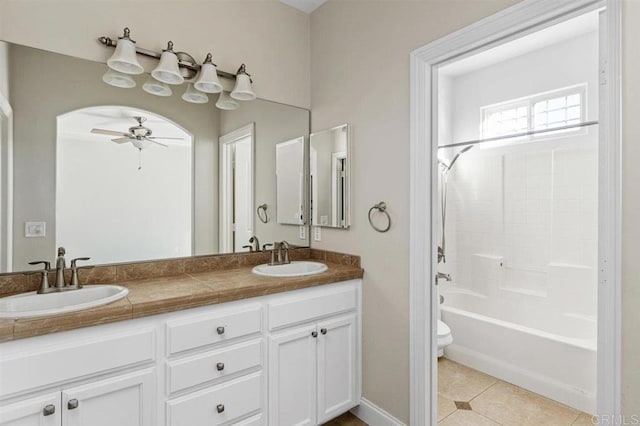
x=220, y=330
x=314, y=334
x=323, y=331
x=220, y=408
x=72, y=404
x=220, y=366
x=49, y=410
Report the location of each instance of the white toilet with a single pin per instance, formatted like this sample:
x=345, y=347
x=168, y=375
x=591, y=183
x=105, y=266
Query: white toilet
x=444, y=337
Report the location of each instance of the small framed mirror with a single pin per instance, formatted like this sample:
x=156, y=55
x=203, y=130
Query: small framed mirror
x=330, y=159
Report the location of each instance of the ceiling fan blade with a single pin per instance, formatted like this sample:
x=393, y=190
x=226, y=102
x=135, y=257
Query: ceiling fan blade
x=120, y=140
x=156, y=142
x=160, y=137
x=108, y=132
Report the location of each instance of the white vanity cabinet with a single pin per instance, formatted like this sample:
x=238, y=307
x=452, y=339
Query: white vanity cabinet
x=314, y=367
x=278, y=360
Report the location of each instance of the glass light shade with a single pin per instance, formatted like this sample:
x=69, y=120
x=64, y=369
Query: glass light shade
x=156, y=87
x=167, y=70
x=227, y=103
x=118, y=79
x=194, y=96
x=208, y=81
x=125, y=59
x=243, y=90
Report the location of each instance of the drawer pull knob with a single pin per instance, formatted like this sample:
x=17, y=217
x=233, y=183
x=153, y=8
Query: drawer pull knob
x=323, y=331
x=220, y=366
x=49, y=410
x=72, y=404
x=220, y=408
x=314, y=334
x=220, y=330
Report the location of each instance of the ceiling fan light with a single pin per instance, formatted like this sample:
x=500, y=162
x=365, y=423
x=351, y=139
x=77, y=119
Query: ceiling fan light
x=226, y=103
x=156, y=87
x=243, y=91
x=194, y=96
x=167, y=70
x=125, y=59
x=208, y=81
x=118, y=79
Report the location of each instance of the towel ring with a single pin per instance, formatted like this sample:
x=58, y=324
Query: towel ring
x=264, y=217
x=381, y=207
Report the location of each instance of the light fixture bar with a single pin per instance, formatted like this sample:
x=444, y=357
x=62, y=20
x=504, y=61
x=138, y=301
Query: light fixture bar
x=182, y=58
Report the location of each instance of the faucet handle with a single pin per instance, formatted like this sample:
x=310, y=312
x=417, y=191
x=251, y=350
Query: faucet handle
x=75, y=282
x=250, y=247
x=264, y=246
x=47, y=265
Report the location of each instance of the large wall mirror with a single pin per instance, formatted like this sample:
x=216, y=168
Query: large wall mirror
x=69, y=175
x=329, y=164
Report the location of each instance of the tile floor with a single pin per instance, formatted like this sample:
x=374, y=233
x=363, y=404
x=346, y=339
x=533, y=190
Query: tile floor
x=468, y=397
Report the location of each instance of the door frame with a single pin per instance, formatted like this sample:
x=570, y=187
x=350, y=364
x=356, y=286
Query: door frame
x=226, y=192
x=514, y=22
x=6, y=184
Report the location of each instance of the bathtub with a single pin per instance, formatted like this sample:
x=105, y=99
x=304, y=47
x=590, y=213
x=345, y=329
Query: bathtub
x=549, y=352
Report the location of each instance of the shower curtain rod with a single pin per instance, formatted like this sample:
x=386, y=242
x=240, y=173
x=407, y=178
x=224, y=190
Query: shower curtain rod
x=518, y=135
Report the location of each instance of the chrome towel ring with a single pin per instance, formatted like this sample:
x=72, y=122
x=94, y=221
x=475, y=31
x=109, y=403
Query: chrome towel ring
x=262, y=213
x=382, y=208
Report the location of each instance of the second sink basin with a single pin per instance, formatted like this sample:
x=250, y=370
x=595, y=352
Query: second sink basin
x=34, y=305
x=293, y=269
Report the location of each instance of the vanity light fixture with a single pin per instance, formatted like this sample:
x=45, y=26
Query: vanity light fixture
x=208, y=81
x=194, y=96
x=175, y=68
x=124, y=59
x=167, y=70
x=118, y=79
x=227, y=103
x=156, y=87
x=243, y=90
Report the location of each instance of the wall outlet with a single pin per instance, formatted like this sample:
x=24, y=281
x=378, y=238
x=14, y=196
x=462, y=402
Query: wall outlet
x=303, y=232
x=317, y=233
x=35, y=229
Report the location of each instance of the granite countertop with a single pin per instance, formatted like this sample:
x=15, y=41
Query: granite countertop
x=164, y=294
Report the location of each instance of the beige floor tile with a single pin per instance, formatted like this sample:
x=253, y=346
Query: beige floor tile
x=584, y=420
x=445, y=407
x=466, y=418
x=459, y=383
x=511, y=405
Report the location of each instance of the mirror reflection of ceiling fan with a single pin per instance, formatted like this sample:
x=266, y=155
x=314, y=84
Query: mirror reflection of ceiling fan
x=139, y=136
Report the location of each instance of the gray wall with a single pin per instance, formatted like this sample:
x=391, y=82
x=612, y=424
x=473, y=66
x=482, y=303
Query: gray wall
x=45, y=85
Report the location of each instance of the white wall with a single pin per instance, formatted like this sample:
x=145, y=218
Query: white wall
x=531, y=207
x=4, y=69
x=270, y=37
x=109, y=210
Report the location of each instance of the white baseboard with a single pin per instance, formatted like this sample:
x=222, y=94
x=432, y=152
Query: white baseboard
x=373, y=415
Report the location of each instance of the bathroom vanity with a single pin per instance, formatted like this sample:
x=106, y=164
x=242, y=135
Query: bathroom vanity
x=291, y=357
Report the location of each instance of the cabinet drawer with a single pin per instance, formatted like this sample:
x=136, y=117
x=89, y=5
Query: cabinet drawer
x=213, y=365
x=213, y=328
x=73, y=359
x=322, y=302
x=217, y=405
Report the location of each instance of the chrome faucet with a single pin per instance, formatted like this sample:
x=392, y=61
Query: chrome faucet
x=256, y=244
x=61, y=266
x=279, y=253
x=443, y=276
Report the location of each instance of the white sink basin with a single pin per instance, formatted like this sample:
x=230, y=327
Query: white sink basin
x=35, y=305
x=293, y=269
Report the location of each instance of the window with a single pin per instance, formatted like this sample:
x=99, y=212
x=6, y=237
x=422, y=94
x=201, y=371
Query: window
x=548, y=110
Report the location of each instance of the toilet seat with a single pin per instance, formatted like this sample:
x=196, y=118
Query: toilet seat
x=443, y=329
x=444, y=337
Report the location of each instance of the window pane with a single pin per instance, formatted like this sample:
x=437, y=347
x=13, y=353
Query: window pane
x=573, y=100
x=556, y=116
x=556, y=103
x=573, y=112
x=540, y=119
x=540, y=107
x=509, y=114
x=522, y=112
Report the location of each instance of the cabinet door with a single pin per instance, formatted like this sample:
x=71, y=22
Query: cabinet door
x=126, y=400
x=292, y=377
x=336, y=367
x=39, y=411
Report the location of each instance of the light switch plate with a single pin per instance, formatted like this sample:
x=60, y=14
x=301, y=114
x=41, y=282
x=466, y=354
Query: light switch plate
x=303, y=232
x=317, y=233
x=35, y=229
